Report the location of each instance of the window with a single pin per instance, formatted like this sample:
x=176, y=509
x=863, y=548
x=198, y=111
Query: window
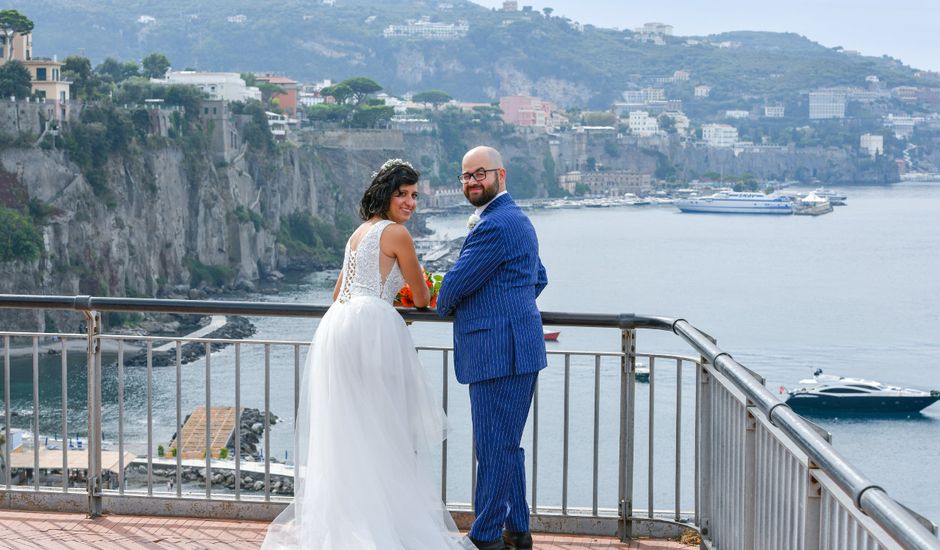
x=841, y=390
x=41, y=73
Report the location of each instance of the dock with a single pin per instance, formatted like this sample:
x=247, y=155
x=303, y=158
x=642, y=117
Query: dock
x=192, y=438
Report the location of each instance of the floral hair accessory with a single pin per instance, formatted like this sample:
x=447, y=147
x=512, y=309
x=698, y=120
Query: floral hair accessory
x=391, y=163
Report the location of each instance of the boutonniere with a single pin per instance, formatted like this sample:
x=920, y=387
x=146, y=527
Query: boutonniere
x=473, y=221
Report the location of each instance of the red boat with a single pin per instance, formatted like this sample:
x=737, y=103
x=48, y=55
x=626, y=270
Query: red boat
x=550, y=336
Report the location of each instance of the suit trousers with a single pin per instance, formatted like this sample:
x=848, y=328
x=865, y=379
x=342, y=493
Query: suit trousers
x=499, y=408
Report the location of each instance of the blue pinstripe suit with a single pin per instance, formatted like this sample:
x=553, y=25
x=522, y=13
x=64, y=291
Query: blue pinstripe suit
x=498, y=350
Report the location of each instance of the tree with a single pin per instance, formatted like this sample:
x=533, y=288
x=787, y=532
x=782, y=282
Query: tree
x=371, y=116
x=340, y=92
x=434, y=97
x=118, y=71
x=12, y=22
x=361, y=87
x=15, y=80
x=85, y=83
x=547, y=12
x=155, y=65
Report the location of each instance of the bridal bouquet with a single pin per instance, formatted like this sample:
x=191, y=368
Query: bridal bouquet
x=405, y=298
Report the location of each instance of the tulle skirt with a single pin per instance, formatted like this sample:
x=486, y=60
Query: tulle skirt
x=366, y=423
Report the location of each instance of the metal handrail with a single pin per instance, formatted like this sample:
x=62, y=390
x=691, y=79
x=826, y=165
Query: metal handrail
x=868, y=497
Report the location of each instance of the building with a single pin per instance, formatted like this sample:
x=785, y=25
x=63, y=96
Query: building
x=642, y=124
x=411, y=124
x=680, y=121
x=655, y=28
x=286, y=100
x=826, y=104
x=224, y=139
x=653, y=94
x=902, y=125
x=425, y=29
x=680, y=76
x=510, y=5
x=719, y=135
x=872, y=144
x=774, y=111
x=702, y=91
x=737, y=114
x=46, y=80
x=527, y=111
x=227, y=86
x=609, y=183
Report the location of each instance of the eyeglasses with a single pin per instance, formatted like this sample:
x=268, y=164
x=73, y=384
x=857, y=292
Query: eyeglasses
x=478, y=175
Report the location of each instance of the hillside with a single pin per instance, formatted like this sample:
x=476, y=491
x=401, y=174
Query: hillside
x=503, y=53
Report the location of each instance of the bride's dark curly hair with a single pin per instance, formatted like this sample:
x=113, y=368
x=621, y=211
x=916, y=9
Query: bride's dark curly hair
x=378, y=197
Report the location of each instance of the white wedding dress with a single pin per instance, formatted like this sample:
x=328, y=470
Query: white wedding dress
x=366, y=424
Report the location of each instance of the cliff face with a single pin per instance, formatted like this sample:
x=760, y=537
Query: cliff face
x=171, y=214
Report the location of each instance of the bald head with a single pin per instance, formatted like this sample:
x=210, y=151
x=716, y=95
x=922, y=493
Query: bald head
x=487, y=155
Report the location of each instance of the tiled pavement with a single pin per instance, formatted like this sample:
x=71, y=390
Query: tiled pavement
x=54, y=531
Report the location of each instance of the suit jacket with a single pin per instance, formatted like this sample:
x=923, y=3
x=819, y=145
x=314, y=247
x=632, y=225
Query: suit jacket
x=492, y=290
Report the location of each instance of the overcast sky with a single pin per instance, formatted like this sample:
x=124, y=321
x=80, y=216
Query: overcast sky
x=906, y=29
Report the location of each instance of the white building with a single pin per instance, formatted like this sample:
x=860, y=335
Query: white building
x=426, y=29
x=719, y=135
x=609, y=183
x=872, y=144
x=774, y=111
x=826, y=104
x=653, y=94
x=680, y=120
x=655, y=28
x=228, y=86
x=642, y=124
x=737, y=114
x=702, y=90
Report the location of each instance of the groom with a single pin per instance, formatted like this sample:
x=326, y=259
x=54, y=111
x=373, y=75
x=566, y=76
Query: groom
x=498, y=344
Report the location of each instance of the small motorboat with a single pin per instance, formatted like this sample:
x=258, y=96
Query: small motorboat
x=550, y=336
x=826, y=393
x=642, y=372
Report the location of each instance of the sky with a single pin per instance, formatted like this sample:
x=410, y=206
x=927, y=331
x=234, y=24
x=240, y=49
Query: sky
x=905, y=29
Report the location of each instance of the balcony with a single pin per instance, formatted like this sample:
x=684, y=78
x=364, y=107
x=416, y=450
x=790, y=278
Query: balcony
x=701, y=450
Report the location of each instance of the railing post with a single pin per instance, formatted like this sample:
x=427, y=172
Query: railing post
x=627, y=414
x=750, y=479
x=812, y=510
x=704, y=450
x=93, y=361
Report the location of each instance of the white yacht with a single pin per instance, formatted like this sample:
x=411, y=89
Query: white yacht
x=835, y=198
x=825, y=393
x=730, y=202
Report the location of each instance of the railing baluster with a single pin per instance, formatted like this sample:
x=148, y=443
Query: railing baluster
x=120, y=396
x=36, y=438
x=444, y=399
x=652, y=436
x=65, y=415
x=564, y=452
x=678, y=438
x=179, y=418
x=597, y=424
x=150, y=418
x=208, y=451
x=267, y=422
x=7, y=417
x=535, y=447
x=238, y=422
x=296, y=381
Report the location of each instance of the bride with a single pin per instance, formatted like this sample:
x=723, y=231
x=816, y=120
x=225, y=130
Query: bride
x=367, y=418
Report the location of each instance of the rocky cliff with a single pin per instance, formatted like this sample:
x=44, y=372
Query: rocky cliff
x=170, y=218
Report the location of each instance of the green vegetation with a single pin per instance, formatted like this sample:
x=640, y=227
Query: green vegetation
x=309, y=237
x=14, y=80
x=13, y=22
x=212, y=275
x=20, y=239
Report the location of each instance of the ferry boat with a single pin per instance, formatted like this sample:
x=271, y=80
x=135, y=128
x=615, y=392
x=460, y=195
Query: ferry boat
x=730, y=202
x=825, y=393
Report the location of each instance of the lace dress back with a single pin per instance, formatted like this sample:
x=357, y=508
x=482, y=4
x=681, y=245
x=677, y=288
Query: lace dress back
x=362, y=269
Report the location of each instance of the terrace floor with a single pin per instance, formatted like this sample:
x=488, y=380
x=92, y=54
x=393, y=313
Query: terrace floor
x=54, y=531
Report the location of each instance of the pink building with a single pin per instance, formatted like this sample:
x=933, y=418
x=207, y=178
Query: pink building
x=526, y=111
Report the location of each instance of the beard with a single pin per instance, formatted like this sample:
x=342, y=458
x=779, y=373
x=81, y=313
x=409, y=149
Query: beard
x=485, y=196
